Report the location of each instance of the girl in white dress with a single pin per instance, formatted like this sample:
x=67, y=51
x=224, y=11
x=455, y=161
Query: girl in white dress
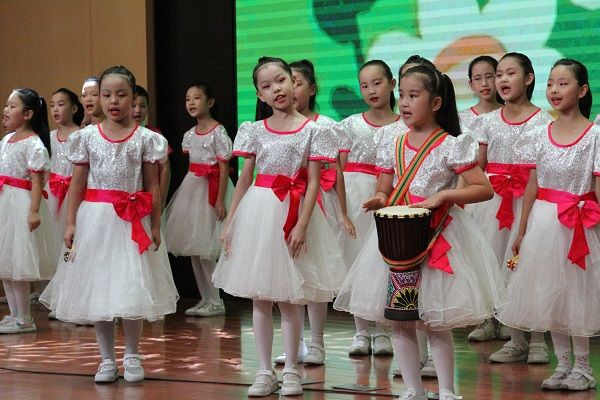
x=460, y=279
x=26, y=251
x=276, y=246
x=556, y=283
x=116, y=266
x=90, y=98
x=197, y=208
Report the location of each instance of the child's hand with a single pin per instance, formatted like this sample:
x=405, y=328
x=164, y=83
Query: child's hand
x=226, y=239
x=296, y=240
x=156, y=237
x=220, y=210
x=33, y=220
x=69, y=234
x=516, y=247
x=434, y=201
x=349, y=227
x=374, y=203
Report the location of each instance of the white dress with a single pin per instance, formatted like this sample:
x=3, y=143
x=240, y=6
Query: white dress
x=258, y=265
x=547, y=291
x=24, y=255
x=360, y=186
x=472, y=292
x=57, y=186
x=467, y=119
x=503, y=149
x=108, y=276
x=192, y=228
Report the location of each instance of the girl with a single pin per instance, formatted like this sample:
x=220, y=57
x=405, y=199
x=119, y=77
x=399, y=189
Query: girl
x=90, y=98
x=556, y=284
x=377, y=89
x=331, y=199
x=271, y=253
x=497, y=133
x=459, y=284
x=114, y=269
x=197, y=208
x=482, y=72
x=26, y=252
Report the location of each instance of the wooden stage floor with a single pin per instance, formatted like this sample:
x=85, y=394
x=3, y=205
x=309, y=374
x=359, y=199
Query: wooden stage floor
x=213, y=358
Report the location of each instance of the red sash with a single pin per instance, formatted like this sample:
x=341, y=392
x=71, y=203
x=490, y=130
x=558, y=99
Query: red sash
x=281, y=186
x=328, y=178
x=59, y=186
x=509, y=183
x=18, y=183
x=131, y=207
x=361, y=167
x=212, y=174
x=575, y=212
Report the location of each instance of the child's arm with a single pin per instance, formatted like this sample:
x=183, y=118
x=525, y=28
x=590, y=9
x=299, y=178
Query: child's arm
x=343, y=159
x=150, y=173
x=223, y=177
x=164, y=172
x=76, y=188
x=478, y=188
x=385, y=185
x=297, y=236
x=37, y=183
x=482, y=156
x=340, y=189
x=528, y=199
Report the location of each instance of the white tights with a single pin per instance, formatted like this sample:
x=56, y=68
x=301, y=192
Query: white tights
x=518, y=336
x=362, y=326
x=17, y=296
x=581, y=348
x=105, y=335
x=317, y=314
x=203, y=270
x=262, y=323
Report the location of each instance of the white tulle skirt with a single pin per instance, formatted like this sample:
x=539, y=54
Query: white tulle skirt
x=108, y=277
x=467, y=297
x=25, y=255
x=259, y=266
x=58, y=219
x=546, y=291
x=359, y=188
x=501, y=240
x=191, y=226
x=334, y=216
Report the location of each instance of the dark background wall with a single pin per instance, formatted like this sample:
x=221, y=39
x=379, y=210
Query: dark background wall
x=194, y=40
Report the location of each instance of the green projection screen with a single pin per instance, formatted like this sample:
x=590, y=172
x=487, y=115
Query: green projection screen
x=339, y=35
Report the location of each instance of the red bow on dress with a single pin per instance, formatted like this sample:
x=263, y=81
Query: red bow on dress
x=212, y=174
x=328, y=178
x=59, y=186
x=509, y=184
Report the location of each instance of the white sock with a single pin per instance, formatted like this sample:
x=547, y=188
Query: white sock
x=405, y=343
x=442, y=351
x=10, y=297
x=262, y=324
x=203, y=270
x=517, y=336
x=290, y=328
x=105, y=336
x=317, y=314
x=362, y=325
x=21, y=291
x=581, y=348
x=133, y=333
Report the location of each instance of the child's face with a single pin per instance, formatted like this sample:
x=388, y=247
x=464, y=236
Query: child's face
x=139, y=111
x=116, y=98
x=563, y=91
x=90, y=99
x=275, y=86
x=482, y=83
x=375, y=87
x=196, y=102
x=62, y=109
x=416, y=104
x=14, y=115
x=511, y=80
x=303, y=90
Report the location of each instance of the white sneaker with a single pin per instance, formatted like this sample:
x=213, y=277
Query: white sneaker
x=554, y=381
x=315, y=355
x=191, y=312
x=411, y=394
x=291, y=383
x=509, y=353
x=538, y=354
x=361, y=345
x=302, y=352
x=107, y=372
x=7, y=319
x=502, y=332
x=382, y=345
x=134, y=372
x=579, y=379
x=483, y=332
x=428, y=369
x=265, y=383
x=14, y=325
x=211, y=310
x=447, y=394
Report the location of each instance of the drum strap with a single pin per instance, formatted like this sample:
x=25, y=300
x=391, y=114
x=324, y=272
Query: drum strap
x=400, y=194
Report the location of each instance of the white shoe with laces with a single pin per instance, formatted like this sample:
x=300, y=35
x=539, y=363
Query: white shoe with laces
x=554, y=381
x=447, y=394
x=538, y=354
x=192, y=311
x=509, y=353
x=291, y=383
x=107, y=372
x=7, y=319
x=210, y=309
x=302, y=352
x=134, y=372
x=265, y=383
x=315, y=355
x=14, y=325
x=411, y=394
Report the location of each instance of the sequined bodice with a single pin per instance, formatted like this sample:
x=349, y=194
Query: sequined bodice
x=209, y=147
x=59, y=163
x=19, y=158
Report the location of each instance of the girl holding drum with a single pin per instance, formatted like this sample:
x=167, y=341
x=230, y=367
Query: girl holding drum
x=460, y=280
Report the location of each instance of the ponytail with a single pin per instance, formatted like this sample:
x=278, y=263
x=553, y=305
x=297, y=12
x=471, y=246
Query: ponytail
x=35, y=103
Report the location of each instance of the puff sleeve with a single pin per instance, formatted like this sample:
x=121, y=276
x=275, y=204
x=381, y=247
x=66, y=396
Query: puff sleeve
x=324, y=145
x=386, y=160
x=463, y=153
x=596, y=151
x=155, y=147
x=344, y=140
x=222, y=144
x=185, y=142
x=77, y=150
x=479, y=130
x=37, y=157
x=244, y=144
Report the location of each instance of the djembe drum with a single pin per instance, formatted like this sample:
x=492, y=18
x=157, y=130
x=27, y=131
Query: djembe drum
x=403, y=235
